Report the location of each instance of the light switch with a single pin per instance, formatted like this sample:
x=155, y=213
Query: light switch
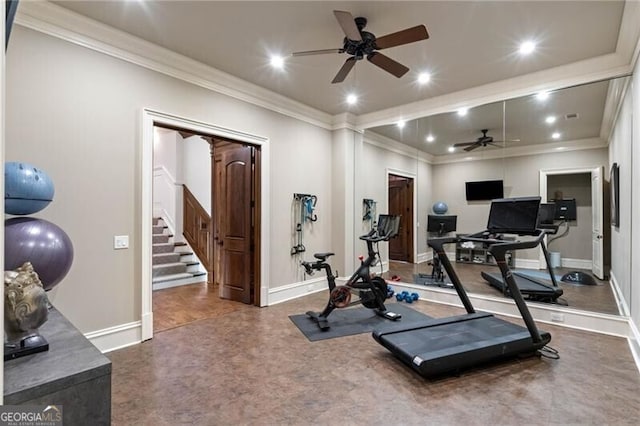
x=120, y=242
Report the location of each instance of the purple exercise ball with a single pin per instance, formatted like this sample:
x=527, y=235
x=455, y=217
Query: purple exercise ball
x=44, y=244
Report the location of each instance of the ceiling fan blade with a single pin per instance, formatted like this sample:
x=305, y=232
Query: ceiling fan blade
x=317, y=52
x=402, y=37
x=472, y=147
x=346, y=67
x=457, y=145
x=348, y=24
x=388, y=64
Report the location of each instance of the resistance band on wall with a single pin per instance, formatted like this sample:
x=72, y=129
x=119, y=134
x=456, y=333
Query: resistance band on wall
x=369, y=212
x=304, y=206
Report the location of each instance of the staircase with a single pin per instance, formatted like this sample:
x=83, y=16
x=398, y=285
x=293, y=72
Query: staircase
x=174, y=264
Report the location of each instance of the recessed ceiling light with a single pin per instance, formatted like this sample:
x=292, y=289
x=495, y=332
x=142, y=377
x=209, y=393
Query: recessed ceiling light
x=424, y=78
x=463, y=111
x=527, y=47
x=430, y=138
x=277, y=61
x=556, y=135
x=352, y=99
x=451, y=149
x=560, y=148
x=400, y=123
x=542, y=96
x=550, y=119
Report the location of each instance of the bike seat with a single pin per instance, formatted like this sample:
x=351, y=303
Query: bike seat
x=322, y=256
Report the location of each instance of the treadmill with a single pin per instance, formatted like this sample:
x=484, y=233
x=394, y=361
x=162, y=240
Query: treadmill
x=533, y=289
x=433, y=347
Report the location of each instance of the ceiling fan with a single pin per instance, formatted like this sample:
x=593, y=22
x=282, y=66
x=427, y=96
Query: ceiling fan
x=359, y=43
x=483, y=140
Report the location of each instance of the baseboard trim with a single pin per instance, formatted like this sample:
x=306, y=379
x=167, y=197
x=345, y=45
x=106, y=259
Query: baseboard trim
x=623, y=308
x=634, y=342
x=178, y=283
x=527, y=263
x=557, y=315
x=425, y=257
x=292, y=291
x=577, y=263
x=116, y=337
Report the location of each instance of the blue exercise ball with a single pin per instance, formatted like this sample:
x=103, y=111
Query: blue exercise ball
x=27, y=189
x=440, y=207
x=44, y=244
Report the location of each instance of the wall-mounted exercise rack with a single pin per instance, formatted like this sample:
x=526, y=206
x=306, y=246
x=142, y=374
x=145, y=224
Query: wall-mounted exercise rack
x=304, y=206
x=369, y=212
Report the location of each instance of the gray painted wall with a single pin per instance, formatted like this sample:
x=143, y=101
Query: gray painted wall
x=196, y=169
x=577, y=243
x=620, y=151
x=77, y=114
x=521, y=177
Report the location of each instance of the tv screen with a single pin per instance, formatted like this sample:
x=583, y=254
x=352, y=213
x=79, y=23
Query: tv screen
x=566, y=209
x=547, y=213
x=514, y=216
x=441, y=223
x=484, y=190
x=388, y=225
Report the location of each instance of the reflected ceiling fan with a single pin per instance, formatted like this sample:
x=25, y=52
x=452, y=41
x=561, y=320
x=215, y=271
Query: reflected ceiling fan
x=359, y=43
x=483, y=140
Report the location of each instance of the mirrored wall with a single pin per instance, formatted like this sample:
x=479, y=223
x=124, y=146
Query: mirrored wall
x=409, y=167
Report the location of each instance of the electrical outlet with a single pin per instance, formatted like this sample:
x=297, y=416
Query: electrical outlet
x=120, y=242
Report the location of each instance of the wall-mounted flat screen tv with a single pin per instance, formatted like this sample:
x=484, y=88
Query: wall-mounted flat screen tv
x=484, y=190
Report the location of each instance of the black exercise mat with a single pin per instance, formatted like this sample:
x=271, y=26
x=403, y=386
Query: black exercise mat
x=350, y=321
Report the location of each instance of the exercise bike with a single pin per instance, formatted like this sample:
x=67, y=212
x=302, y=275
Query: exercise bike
x=371, y=291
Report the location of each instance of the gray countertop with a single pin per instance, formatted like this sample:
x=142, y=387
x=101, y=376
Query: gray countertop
x=70, y=360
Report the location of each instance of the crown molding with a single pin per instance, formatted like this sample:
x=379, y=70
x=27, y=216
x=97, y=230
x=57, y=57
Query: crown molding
x=594, y=69
x=547, y=148
x=64, y=24
x=613, y=104
x=392, y=145
x=629, y=34
x=346, y=120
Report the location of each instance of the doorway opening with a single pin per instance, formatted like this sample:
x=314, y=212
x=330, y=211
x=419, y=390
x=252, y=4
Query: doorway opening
x=231, y=263
x=401, y=196
x=587, y=187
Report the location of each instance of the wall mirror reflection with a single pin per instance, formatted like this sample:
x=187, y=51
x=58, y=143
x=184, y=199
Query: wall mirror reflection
x=553, y=145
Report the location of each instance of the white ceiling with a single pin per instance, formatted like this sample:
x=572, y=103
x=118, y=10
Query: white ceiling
x=471, y=44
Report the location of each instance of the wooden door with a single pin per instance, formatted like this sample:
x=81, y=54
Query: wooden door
x=401, y=203
x=234, y=211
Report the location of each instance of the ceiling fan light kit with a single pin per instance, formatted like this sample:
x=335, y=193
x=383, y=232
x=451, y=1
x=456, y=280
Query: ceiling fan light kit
x=360, y=44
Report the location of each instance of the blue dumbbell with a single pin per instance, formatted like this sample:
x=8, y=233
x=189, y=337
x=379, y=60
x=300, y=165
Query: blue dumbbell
x=415, y=296
x=390, y=292
x=408, y=298
x=399, y=297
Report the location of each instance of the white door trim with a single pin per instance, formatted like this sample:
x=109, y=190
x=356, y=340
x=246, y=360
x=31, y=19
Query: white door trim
x=149, y=117
x=397, y=172
x=544, y=174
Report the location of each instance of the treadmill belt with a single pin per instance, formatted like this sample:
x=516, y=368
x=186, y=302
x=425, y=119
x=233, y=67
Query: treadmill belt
x=441, y=347
x=528, y=286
